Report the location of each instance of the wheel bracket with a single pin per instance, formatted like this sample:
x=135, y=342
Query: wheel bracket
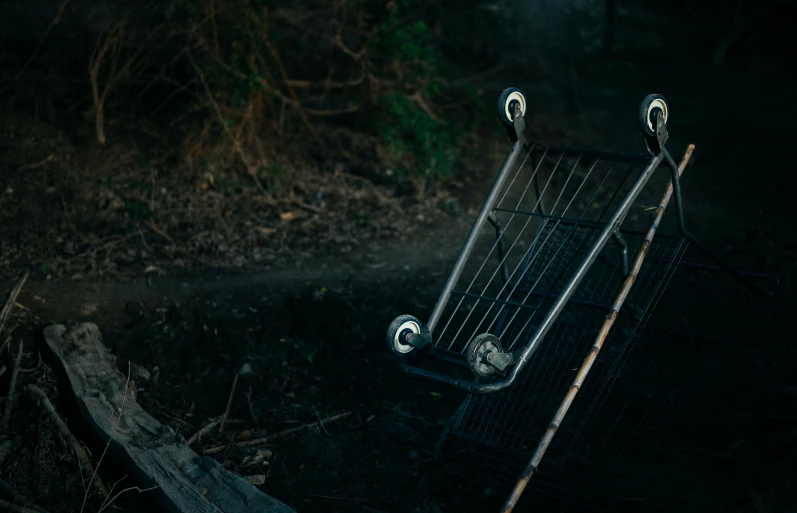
x=657, y=142
x=416, y=340
x=516, y=131
x=500, y=360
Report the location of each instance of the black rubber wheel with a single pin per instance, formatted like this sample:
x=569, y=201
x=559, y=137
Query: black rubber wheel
x=646, y=109
x=506, y=103
x=399, y=328
x=478, y=349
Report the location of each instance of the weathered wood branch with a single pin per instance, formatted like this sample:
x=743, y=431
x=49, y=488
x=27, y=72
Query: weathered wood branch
x=38, y=395
x=8, y=307
x=185, y=481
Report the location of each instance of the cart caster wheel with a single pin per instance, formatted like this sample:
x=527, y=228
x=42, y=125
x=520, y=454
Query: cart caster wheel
x=650, y=104
x=506, y=105
x=478, y=349
x=402, y=326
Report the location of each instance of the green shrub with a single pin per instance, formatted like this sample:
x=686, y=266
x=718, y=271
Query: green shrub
x=250, y=78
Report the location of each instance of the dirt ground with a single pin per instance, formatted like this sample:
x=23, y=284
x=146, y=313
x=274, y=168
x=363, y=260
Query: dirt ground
x=305, y=297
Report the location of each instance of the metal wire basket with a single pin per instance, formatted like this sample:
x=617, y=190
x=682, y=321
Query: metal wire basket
x=559, y=274
x=679, y=295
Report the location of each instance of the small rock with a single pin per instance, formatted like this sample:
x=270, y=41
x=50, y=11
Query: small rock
x=139, y=372
x=246, y=371
x=251, y=460
x=6, y=449
x=259, y=458
x=89, y=308
x=256, y=480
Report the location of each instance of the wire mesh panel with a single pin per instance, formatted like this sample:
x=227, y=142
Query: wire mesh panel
x=676, y=295
x=549, y=214
x=514, y=419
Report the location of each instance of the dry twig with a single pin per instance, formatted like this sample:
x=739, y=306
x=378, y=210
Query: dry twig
x=18, y=500
x=53, y=23
x=250, y=168
x=110, y=499
x=6, y=344
x=12, y=385
x=320, y=422
x=310, y=208
x=226, y=413
x=279, y=436
x=21, y=509
x=8, y=307
x=296, y=104
x=37, y=394
x=250, y=406
x=152, y=226
x=111, y=46
x=110, y=439
x=205, y=430
x=28, y=167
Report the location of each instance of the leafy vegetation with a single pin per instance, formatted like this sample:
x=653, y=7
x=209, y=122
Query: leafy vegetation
x=255, y=85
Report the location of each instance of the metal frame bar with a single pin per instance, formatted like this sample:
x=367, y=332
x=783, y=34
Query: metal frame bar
x=470, y=241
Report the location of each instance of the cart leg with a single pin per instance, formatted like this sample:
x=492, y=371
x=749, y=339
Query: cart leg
x=499, y=235
x=656, y=145
x=536, y=161
x=679, y=210
x=635, y=311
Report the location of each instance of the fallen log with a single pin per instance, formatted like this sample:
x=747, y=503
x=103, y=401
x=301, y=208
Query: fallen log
x=183, y=481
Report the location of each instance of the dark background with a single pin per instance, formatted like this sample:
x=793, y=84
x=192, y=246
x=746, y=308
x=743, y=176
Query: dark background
x=224, y=181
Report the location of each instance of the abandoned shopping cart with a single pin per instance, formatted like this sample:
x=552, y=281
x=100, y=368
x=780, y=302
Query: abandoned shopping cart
x=556, y=279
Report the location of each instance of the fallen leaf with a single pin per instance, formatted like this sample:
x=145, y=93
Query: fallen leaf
x=287, y=216
x=265, y=230
x=251, y=460
x=259, y=458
